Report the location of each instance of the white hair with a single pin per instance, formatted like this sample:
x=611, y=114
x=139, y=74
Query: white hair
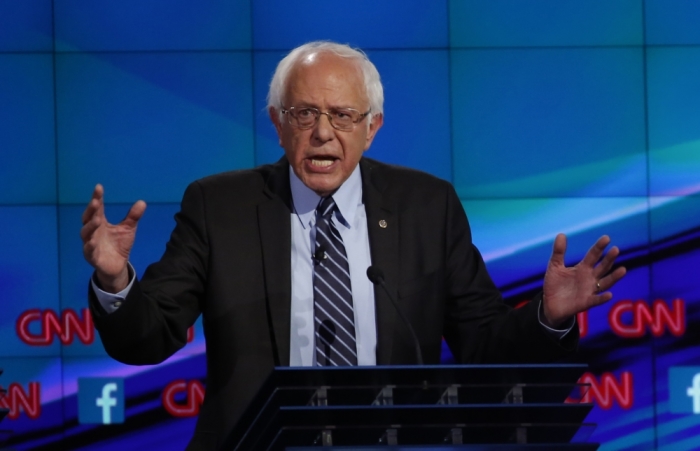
x=373, y=84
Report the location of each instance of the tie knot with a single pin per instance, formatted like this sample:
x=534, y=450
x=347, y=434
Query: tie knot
x=326, y=207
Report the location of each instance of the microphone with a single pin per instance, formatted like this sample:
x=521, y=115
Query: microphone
x=376, y=276
x=320, y=254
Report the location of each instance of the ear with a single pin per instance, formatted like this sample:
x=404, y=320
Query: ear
x=275, y=118
x=374, y=126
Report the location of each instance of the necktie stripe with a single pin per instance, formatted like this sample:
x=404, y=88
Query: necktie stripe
x=337, y=264
x=344, y=309
x=340, y=267
x=333, y=245
x=319, y=322
x=340, y=282
x=334, y=318
x=352, y=351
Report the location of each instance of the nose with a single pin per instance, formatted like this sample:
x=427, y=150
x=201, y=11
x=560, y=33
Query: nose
x=323, y=130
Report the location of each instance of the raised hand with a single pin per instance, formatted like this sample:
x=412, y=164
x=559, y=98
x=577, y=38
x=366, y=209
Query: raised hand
x=107, y=246
x=568, y=291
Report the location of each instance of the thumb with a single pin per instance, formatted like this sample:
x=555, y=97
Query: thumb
x=135, y=213
x=558, y=250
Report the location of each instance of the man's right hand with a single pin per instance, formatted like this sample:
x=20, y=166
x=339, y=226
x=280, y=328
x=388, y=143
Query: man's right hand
x=107, y=246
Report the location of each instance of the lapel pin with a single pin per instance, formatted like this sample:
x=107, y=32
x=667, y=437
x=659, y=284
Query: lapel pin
x=382, y=224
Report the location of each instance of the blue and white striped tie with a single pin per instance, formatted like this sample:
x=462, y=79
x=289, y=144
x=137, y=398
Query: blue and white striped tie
x=333, y=311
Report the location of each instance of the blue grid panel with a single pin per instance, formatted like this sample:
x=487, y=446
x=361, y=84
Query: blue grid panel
x=674, y=218
x=97, y=25
x=28, y=158
x=514, y=23
x=672, y=22
x=152, y=235
x=280, y=24
x=416, y=131
x=26, y=26
x=146, y=125
x=406, y=76
x=673, y=76
x=28, y=276
x=548, y=122
x=515, y=236
x=40, y=376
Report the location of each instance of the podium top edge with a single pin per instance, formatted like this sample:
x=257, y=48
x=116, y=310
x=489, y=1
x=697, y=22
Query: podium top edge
x=475, y=367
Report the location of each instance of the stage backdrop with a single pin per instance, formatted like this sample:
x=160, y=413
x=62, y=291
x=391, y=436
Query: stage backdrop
x=579, y=116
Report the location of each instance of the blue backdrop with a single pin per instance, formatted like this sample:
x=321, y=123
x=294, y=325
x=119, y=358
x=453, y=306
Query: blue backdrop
x=580, y=117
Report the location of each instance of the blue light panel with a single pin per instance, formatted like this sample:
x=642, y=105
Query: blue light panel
x=146, y=125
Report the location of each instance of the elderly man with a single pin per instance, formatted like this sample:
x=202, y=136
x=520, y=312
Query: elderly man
x=275, y=258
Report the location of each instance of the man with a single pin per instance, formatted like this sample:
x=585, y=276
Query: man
x=274, y=258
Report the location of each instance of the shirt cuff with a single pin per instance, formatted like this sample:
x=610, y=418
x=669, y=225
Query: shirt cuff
x=557, y=333
x=111, y=301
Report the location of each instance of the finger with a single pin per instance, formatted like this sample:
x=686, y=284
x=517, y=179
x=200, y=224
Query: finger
x=96, y=204
x=89, y=228
x=135, y=213
x=607, y=263
x=596, y=251
x=611, y=279
x=558, y=250
x=597, y=299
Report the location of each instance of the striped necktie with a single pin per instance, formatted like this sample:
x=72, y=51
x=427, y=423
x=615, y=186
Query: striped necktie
x=334, y=319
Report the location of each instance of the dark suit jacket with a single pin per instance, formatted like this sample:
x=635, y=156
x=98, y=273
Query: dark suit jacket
x=229, y=260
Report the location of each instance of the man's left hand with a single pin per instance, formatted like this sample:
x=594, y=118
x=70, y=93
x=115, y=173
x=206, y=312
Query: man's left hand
x=568, y=291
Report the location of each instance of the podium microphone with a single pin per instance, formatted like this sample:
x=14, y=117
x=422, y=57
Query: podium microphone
x=376, y=276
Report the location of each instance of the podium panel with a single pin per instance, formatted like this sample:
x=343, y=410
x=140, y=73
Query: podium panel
x=416, y=407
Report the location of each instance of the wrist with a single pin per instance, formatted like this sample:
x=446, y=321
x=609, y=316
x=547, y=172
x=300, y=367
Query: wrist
x=113, y=284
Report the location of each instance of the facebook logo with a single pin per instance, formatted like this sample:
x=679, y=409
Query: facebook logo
x=684, y=389
x=100, y=400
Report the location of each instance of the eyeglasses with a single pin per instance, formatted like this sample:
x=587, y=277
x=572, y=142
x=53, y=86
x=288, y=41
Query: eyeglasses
x=343, y=119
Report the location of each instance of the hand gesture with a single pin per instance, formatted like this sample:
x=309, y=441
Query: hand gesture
x=107, y=246
x=568, y=291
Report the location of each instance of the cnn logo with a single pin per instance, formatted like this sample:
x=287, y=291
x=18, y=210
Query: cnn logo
x=193, y=393
x=606, y=390
x=37, y=327
x=65, y=327
x=16, y=399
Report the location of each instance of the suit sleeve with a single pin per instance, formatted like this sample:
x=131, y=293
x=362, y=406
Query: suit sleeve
x=479, y=326
x=152, y=322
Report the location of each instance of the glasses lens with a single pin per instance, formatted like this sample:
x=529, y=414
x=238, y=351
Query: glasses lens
x=345, y=118
x=341, y=118
x=305, y=117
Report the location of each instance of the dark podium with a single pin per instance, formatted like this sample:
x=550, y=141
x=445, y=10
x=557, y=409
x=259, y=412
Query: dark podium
x=465, y=407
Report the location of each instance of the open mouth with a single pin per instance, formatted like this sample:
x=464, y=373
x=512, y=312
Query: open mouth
x=321, y=162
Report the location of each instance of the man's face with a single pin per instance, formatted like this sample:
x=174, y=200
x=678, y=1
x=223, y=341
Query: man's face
x=323, y=157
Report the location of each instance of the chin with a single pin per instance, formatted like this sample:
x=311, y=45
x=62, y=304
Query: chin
x=321, y=187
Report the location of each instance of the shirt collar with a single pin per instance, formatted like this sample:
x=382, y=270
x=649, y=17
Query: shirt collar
x=347, y=198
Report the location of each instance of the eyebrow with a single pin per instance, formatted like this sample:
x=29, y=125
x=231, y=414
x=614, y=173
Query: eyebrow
x=311, y=105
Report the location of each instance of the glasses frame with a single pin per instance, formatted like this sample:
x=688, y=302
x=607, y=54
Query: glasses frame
x=290, y=115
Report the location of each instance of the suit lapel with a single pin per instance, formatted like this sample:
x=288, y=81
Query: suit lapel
x=383, y=230
x=276, y=243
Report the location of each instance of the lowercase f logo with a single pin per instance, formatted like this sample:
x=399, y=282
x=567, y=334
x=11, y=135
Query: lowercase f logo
x=100, y=400
x=684, y=389
x=694, y=393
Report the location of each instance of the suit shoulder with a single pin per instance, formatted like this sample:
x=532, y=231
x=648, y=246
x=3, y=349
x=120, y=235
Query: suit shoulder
x=248, y=178
x=406, y=180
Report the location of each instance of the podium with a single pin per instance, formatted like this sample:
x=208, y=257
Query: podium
x=458, y=407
